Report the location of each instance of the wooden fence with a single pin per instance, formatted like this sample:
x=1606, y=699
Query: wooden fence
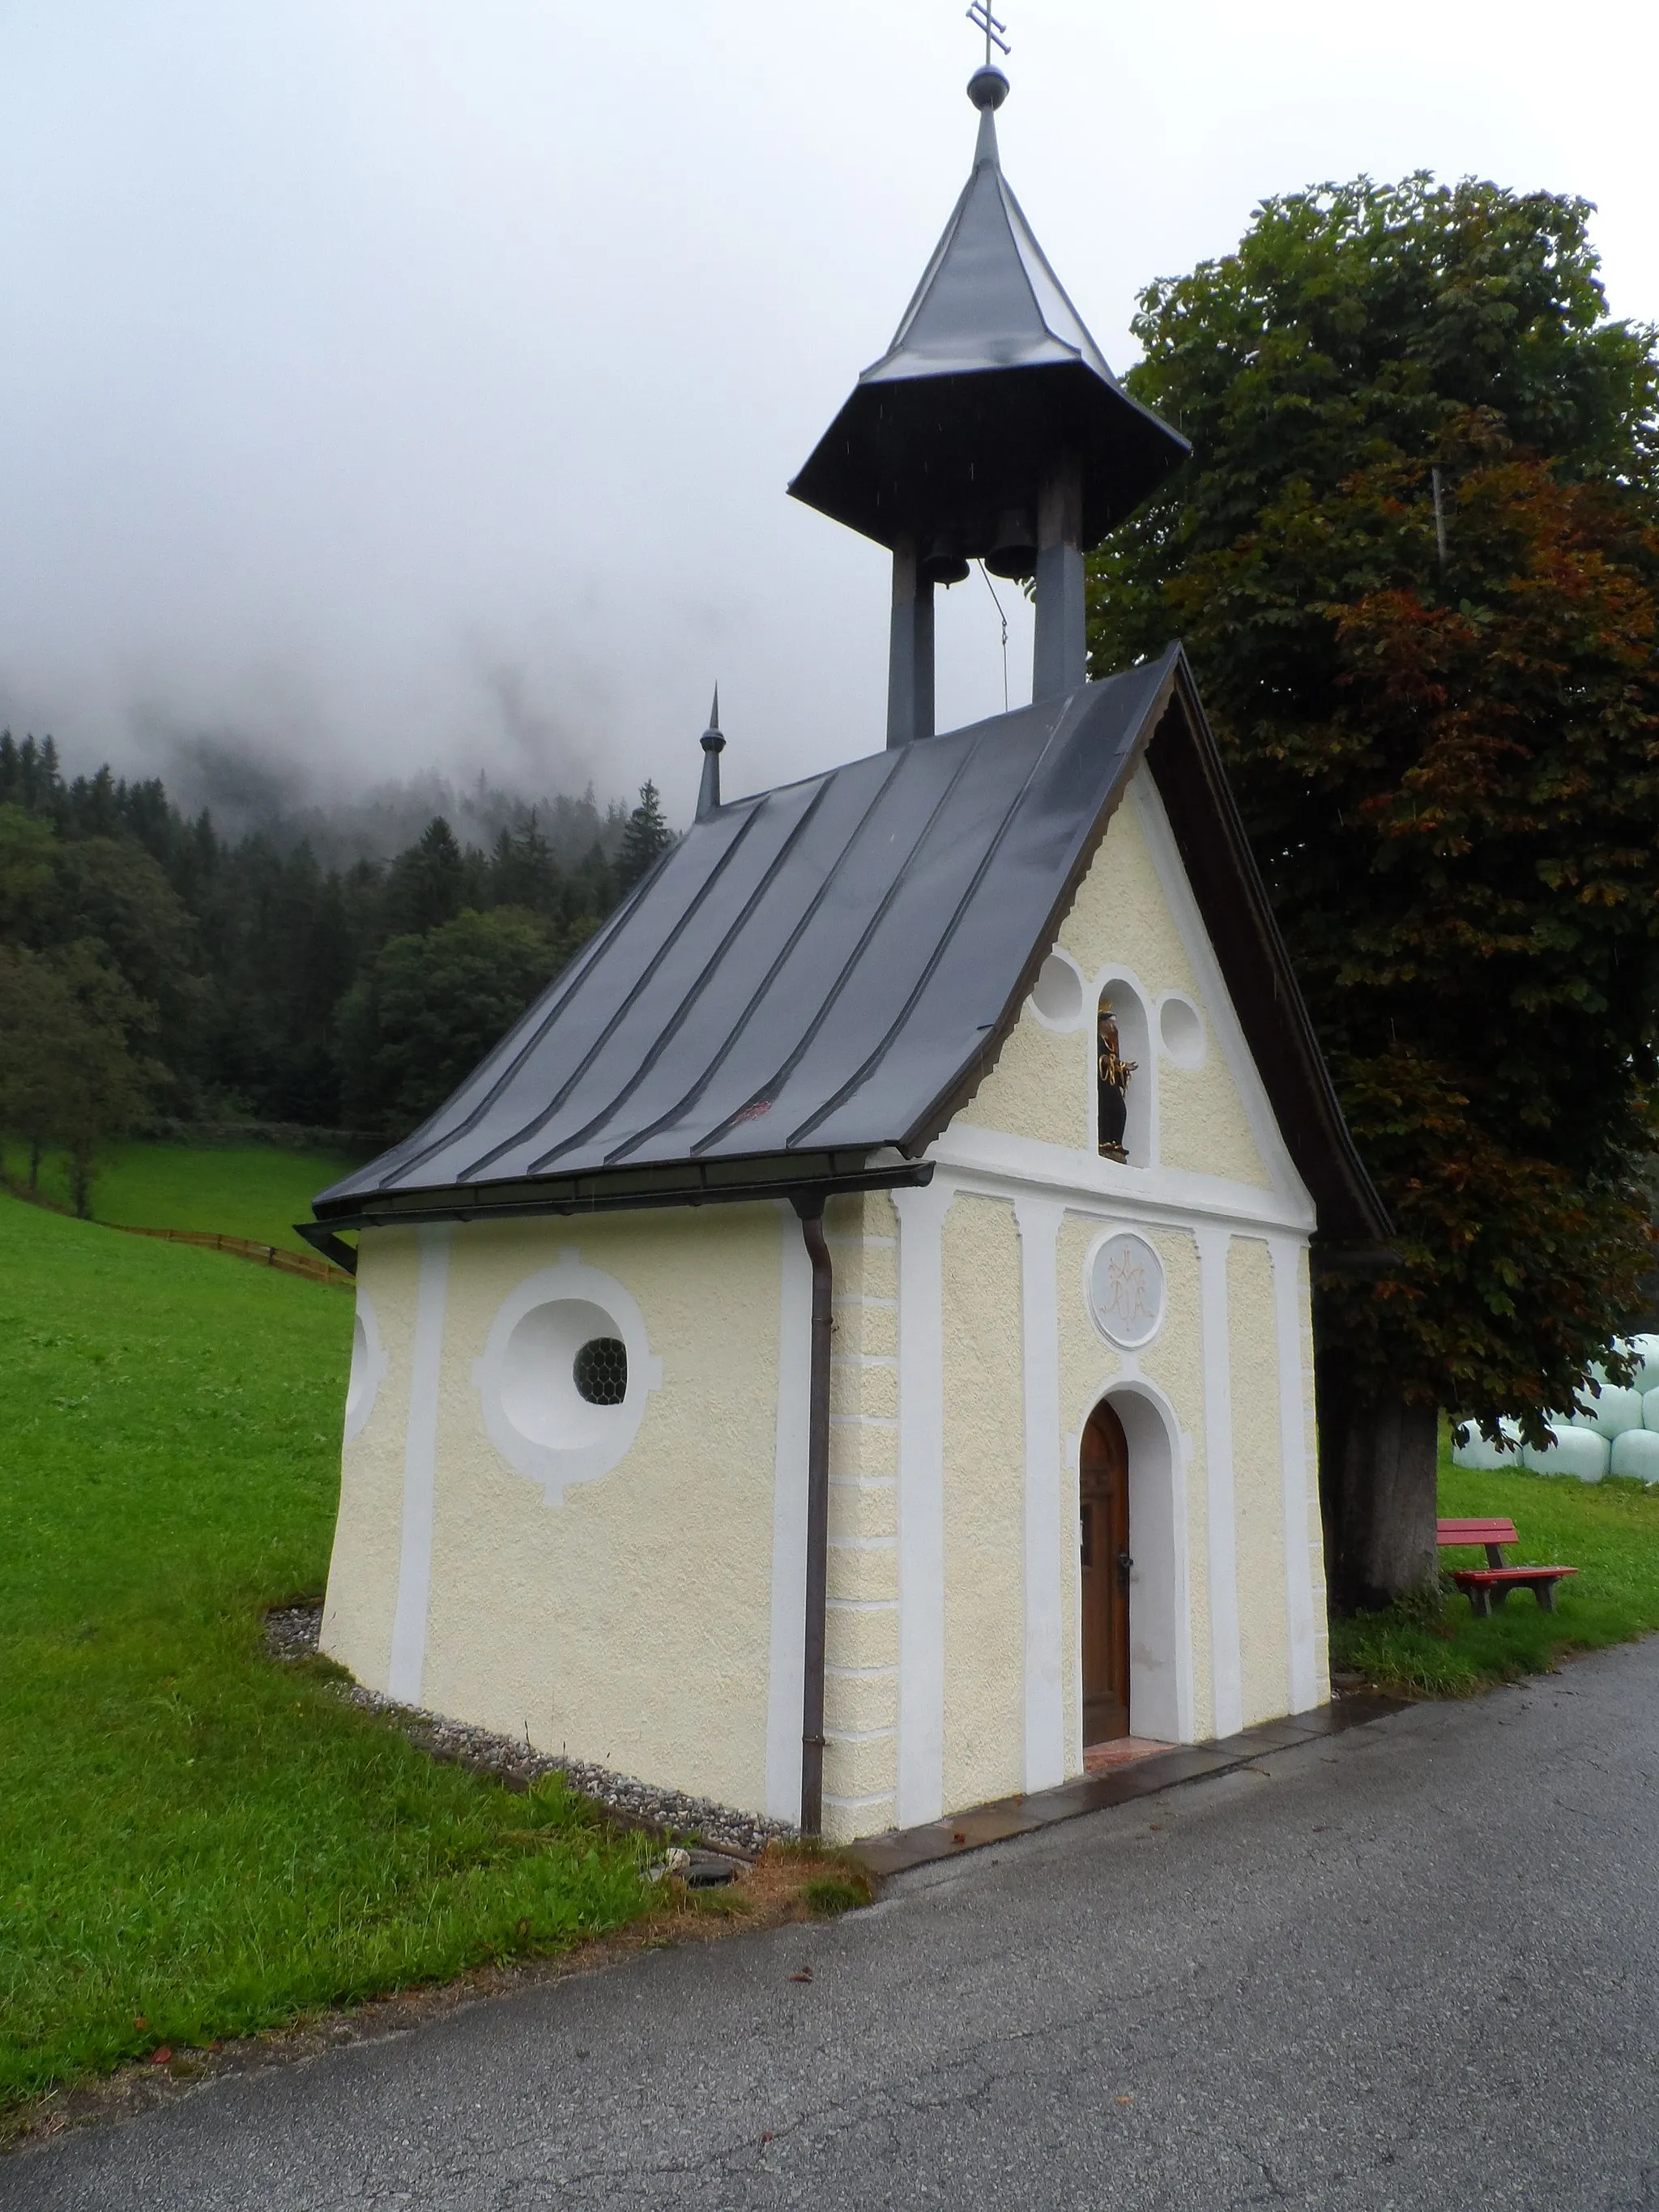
x=312, y=1266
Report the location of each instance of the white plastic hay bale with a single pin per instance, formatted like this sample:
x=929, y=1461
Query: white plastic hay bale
x=1651, y=1410
x=1612, y=1413
x=1637, y=1453
x=1645, y=1349
x=1574, y=1451
x=1471, y=1450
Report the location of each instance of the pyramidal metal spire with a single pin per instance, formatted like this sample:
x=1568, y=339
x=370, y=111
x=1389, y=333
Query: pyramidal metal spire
x=714, y=744
x=992, y=429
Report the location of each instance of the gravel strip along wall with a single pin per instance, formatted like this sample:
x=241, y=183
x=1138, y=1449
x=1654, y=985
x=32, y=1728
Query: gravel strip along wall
x=291, y=1634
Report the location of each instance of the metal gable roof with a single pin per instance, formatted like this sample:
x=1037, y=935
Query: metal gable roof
x=814, y=979
x=812, y=970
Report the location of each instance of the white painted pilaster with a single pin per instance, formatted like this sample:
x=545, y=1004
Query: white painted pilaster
x=1039, y=1221
x=787, y=1661
x=1285, y=1253
x=921, y=1502
x=1227, y=1664
x=420, y=1468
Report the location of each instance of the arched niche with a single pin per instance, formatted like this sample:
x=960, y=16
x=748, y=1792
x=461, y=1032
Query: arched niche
x=1127, y=1006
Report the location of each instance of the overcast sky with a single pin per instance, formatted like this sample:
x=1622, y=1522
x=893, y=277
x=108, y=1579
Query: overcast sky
x=388, y=384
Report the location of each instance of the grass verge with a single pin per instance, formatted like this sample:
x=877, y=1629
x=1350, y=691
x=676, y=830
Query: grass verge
x=1437, y=1648
x=195, y=1844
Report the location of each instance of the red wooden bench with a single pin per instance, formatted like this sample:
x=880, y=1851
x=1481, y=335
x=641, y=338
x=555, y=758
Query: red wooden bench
x=1490, y=1584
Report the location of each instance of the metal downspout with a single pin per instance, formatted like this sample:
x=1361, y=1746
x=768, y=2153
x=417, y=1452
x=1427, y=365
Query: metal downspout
x=810, y=1210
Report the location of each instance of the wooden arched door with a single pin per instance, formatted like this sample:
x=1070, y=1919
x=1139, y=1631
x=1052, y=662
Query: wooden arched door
x=1103, y=1501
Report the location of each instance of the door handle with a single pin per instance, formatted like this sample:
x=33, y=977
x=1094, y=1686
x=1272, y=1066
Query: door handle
x=1124, y=1564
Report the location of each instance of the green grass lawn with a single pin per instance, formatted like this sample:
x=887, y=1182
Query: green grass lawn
x=256, y=1191
x=1609, y=1531
x=194, y=1841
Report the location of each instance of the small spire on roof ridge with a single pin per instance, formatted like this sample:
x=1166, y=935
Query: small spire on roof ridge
x=714, y=744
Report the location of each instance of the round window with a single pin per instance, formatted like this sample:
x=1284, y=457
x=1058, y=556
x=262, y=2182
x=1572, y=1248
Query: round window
x=601, y=1370
x=565, y=1375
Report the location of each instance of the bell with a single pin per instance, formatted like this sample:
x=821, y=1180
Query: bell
x=1013, y=548
x=943, y=562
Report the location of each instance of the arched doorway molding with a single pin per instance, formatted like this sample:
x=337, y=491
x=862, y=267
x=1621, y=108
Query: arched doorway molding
x=1160, y=1632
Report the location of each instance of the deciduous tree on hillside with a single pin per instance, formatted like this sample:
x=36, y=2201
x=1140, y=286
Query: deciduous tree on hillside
x=71, y=1080
x=1414, y=559
x=428, y=1009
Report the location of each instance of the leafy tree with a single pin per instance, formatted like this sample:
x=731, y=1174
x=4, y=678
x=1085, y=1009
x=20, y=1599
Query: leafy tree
x=646, y=838
x=69, y=1080
x=428, y=1009
x=1450, y=771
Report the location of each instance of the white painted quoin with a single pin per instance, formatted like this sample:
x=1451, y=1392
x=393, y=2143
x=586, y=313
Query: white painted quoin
x=596, y=1420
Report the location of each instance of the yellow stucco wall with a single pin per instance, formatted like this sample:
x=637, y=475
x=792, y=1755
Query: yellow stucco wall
x=1041, y=1086
x=984, y=1493
x=363, y=1574
x=628, y=1624
x=1259, y=1532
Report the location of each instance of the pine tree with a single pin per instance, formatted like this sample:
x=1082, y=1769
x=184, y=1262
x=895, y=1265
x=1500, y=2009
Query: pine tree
x=646, y=837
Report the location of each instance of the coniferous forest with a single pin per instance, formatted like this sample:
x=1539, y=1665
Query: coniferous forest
x=154, y=969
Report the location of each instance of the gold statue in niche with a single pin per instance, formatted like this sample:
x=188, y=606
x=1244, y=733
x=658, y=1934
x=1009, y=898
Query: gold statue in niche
x=1113, y=1072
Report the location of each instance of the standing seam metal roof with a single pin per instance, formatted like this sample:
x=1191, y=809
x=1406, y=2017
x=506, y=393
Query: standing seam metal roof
x=813, y=980
x=811, y=969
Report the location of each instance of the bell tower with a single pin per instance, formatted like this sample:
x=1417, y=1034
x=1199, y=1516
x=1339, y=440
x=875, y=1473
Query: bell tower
x=991, y=429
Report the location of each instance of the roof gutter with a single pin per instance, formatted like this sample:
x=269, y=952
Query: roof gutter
x=817, y=1177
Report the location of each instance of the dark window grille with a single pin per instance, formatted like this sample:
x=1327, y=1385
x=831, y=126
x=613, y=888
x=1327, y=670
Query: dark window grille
x=601, y=1370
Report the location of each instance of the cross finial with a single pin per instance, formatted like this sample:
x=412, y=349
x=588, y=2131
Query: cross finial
x=980, y=16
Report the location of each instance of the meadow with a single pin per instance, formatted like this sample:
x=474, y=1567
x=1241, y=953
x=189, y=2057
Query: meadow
x=195, y=1842
x=256, y=1191
x=1436, y=1647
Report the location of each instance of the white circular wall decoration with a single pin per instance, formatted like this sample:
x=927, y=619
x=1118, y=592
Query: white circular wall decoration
x=565, y=1375
x=1057, y=993
x=1181, y=1030
x=1123, y=1289
x=368, y=1366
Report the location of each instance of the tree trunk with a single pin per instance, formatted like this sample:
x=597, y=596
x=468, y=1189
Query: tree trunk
x=1377, y=1462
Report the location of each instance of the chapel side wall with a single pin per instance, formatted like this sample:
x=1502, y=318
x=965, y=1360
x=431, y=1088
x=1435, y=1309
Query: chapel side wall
x=861, y=1675
x=628, y=1624
x=1260, y=1535
x=362, y=1599
x=984, y=1465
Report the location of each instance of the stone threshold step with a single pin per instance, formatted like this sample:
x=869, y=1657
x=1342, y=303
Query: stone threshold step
x=900, y=1849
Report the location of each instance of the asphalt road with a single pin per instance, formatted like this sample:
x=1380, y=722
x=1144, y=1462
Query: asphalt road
x=1414, y=1964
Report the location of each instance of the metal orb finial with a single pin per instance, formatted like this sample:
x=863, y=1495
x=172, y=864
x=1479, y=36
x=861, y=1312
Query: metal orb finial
x=987, y=88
